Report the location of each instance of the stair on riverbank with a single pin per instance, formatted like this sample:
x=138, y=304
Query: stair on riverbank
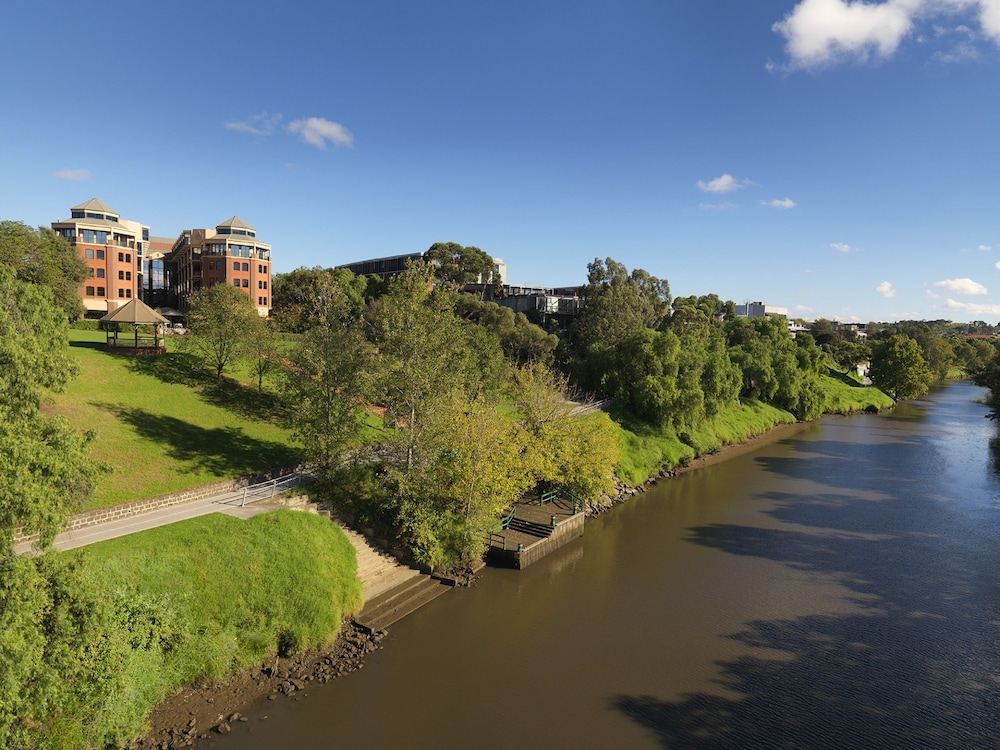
x=543, y=531
x=378, y=570
x=394, y=604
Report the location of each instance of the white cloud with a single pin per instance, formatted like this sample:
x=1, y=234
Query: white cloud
x=261, y=124
x=961, y=286
x=803, y=308
x=319, y=132
x=984, y=248
x=716, y=206
x=779, y=203
x=73, y=174
x=997, y=265
x=823, y=32
x=886, y=289
x=843, y=247
x=973, y=307
x=724, y=184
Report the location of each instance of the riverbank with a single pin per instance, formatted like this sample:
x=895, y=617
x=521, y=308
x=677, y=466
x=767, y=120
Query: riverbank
x=202, y=711
x=625, y=491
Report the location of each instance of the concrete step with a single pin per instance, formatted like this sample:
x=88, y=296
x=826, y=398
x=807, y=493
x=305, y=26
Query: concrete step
x=395, y=603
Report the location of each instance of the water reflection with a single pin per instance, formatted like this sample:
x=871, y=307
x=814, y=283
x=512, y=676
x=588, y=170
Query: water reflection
x=838, y=589
x=917, y=667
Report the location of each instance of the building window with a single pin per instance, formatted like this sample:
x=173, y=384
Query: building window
x=246, y=267
x=128, y=293
x=121, y=257
x=128, y=257
x=100, y=291
x=260, y=284
x=88, y=254
x=246, y=283
x=236, y=265
x=121, y=275
x=128, y=276
x=100, y=255
x=90, y=291
x=91, y=272
x=236, y=282
x=100, y=273
x=121, y=293
x=265, y=300
x=265, y=285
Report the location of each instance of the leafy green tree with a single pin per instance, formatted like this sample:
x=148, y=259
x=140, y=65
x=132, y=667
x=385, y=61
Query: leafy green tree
x=560, y=448
x=899, y=369
x=325, y=379
x=306, y=297
x=459, y=265
x=430, y=367
x=221, y=322
x=43, y=257
x=261, y=350
x=522, y=341
x=617, y=304
x=45, y=473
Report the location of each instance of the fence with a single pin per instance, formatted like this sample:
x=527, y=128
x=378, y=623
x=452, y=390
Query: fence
x=264, y=490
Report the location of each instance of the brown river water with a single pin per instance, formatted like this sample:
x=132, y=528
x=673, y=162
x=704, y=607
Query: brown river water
x=839, y=588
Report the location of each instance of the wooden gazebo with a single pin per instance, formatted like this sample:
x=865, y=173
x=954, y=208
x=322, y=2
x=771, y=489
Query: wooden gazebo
x=136, y=313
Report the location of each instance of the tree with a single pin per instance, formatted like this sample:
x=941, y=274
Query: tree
x=43, y=257
x=522, y=341
x=261, y=349
x=221, y=320
x=45, y=473
x=617, y=304
x=325, y=379
x=305, y=297
x=898, y=368
x=562, y=449
x=460, y=265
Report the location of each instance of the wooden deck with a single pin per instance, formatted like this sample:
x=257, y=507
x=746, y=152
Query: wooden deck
x=535, y=531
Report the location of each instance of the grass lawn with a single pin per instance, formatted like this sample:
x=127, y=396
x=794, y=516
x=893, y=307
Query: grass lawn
x=213, y=595
x=163, y=425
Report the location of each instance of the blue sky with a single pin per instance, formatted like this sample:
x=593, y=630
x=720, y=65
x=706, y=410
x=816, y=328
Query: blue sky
x=840, y=159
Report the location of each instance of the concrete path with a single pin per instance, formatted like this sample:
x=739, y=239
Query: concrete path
x=377, y=570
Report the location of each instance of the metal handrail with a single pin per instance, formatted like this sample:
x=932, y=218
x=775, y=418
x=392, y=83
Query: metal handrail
x=270, y=488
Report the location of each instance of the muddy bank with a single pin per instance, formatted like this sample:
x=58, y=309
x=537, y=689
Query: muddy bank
x=201, y=711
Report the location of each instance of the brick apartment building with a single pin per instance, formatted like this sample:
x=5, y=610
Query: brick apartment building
x=124, y=261
x=112, y=249
x=229, y=254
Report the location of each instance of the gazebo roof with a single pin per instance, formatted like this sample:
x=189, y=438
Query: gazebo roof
x=135, y=311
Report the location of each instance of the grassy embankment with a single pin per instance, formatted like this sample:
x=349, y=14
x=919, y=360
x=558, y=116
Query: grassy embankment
x=162, y=424
x=646, y=450
x=216, y=595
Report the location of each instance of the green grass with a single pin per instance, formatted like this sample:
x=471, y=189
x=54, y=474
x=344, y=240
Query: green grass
x=218, y=595
x=843, y=394
x=162, y=424
x=645, y=450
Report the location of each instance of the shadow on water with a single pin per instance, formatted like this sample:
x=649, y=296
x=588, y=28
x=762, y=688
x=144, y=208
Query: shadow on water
x=224, y=451
x=917, y=664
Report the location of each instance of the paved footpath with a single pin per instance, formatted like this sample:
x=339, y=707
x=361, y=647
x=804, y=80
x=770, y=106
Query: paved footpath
x=228, y=503
x=376, y=570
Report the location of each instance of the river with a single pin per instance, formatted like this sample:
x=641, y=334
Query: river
x=839, y=588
